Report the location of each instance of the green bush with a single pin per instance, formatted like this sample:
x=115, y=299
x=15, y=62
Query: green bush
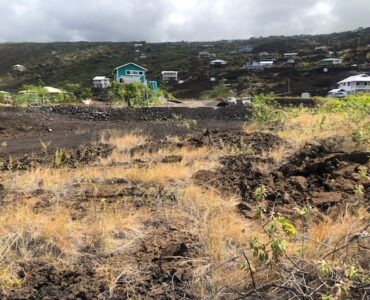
x=219, y=91
x=134, y=94
x=266, y=111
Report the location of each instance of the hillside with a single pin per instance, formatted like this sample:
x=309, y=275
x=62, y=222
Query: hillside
x=56, y=64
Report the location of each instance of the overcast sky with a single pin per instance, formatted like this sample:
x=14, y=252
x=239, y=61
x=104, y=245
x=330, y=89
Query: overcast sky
x=175, y=20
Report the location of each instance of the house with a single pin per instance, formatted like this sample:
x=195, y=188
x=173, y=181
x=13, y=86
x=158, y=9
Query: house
x=293, y=55
x=290, y=61
x=266, y=63
x=169, y=75
x=19, y=68
x=53, y=91
x=264, y=54
x=206, y=54
x=353, y=85
x=259, y=65
x=246, y=49
x=218, y=62
x=130, y=73
x=331, y=61
x=101, y=82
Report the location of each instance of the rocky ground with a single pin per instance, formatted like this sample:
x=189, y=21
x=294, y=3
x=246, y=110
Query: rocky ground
x=124, y=216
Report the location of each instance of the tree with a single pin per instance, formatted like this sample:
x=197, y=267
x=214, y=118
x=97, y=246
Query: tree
x=73, y=88
x=86, y=93
x=134, y=94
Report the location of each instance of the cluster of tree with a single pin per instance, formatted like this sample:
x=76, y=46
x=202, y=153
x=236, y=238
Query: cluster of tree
x=219, y=91
x=134, y=94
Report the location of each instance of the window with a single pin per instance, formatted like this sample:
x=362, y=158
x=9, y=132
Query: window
x=348, y=83
x=357, y=83
x=128, y=72
x=141, y=72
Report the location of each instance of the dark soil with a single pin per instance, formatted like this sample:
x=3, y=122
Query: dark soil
x=255, y=142
x=318, y=174
x=240, y=113
x=323, y=175
x=163, y=268
x=23, y=131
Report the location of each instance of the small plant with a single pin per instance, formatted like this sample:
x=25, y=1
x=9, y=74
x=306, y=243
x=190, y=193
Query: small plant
x=359, y=190
x=304, y=213
x=351, y=272
x=260, y=193
x=327, y=297
x=363, y=173
x=45, y=146
x=261, y=211
x=10, y=163
x=61, y=156
x=276, y=230
x=325, y=268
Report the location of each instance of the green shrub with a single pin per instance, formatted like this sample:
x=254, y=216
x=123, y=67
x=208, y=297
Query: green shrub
x=134, y=94
x=266, y=110
x=219, y=91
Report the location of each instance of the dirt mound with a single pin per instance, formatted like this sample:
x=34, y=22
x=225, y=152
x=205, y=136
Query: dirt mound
x=256, y=142
x=157, y=267
x=314, y=175
x=59, y=157
x=150, y=113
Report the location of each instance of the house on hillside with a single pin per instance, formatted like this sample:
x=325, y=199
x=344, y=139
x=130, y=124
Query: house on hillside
x=246, y=49
x=19, y=68
x=331, y=61
x=292, y=55
x=218, y=63
x=130, y=73
x=352, y=85
x=206, y=54
x=53, y=91
x=169, y=75
x=259, y=65
x=101, y=82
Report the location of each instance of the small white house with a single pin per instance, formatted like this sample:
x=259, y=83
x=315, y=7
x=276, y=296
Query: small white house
x=293, y=55
x=206, y=54
x=218, y=62
x=169, y=75
x=246, y=49
x=101, y=82
x=259, y=65
x=19, y=68
x=331, y=61
x=352, y=85
x=266, y=63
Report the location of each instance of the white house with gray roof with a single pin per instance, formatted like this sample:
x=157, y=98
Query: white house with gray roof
x=353, y=84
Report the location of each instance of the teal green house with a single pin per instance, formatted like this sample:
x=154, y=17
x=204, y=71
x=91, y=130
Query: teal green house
x=130, y=73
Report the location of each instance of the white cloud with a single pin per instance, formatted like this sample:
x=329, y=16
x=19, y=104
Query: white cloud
x=171, y=20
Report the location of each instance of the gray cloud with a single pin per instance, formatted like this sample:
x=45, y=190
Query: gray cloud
x=174, y=20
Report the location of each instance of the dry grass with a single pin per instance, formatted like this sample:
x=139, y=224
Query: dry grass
x=123, y=142
x=224, y=234
x=331, y=231
x=58, y=181
x=55, y=235
x=304, y=126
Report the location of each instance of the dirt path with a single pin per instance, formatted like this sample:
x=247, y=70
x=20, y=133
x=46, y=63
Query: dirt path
x=22, y=131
